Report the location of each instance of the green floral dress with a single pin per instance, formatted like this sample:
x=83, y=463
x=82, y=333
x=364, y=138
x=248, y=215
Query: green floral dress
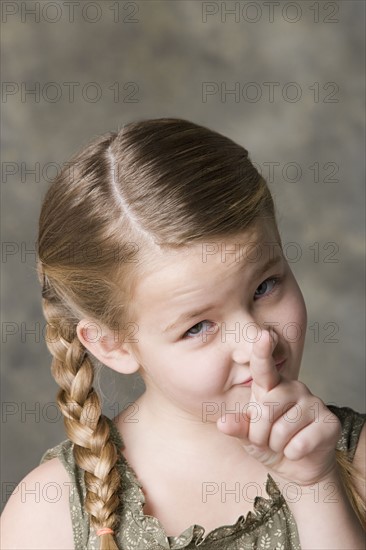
x=270, y=526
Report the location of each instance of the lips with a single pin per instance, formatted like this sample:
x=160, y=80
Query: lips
x=249, y=380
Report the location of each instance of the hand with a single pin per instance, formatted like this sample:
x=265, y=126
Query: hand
x=286, y=427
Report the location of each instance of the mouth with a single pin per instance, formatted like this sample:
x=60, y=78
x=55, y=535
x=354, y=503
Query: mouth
x=249, y=381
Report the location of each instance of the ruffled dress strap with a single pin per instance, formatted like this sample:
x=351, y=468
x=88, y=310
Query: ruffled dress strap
x=352, y=423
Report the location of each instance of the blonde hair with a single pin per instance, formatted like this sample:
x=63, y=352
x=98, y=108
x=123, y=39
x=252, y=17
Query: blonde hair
x=160, y=183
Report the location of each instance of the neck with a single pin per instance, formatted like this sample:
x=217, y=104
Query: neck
x=175, y=431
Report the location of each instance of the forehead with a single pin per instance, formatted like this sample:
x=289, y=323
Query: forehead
x=178, y=275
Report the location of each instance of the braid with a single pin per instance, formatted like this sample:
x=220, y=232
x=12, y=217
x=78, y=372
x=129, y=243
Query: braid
x=85, y=426
x=348, y=475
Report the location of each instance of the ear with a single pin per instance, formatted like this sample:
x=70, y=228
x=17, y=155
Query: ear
x=105, y=345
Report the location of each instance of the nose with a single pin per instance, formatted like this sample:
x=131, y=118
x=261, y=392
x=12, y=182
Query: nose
x=241, y=354
x=241, y=337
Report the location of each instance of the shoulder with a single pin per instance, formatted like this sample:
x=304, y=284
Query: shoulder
x=37, y=514
x=352, y=425
x=353, y=440
x=360, y=462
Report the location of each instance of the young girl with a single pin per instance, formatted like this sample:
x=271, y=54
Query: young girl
x=159, y=253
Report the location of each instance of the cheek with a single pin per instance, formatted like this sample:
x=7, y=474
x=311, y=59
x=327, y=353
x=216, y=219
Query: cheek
x=199, y=370
x=181, y=368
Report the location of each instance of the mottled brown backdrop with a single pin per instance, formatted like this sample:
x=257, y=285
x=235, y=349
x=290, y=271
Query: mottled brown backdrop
x=285, y=79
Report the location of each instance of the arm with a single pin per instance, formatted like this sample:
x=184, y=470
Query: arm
x=325, y=505
x=37, y=515
x=324, y=517
x=299, y=452
x=359, y=462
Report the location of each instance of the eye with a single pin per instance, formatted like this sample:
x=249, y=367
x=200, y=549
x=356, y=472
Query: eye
x=266, y=287
x=196, y=330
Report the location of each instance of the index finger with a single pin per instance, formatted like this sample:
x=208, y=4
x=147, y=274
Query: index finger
x=262, y=365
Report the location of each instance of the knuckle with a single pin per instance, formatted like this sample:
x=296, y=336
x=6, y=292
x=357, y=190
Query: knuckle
x=300, y=446
x=280, y=429
x=300, y=388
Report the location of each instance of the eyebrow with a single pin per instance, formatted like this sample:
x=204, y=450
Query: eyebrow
x=184, y=317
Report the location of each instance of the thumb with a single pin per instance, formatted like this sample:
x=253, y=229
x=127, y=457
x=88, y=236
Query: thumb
x=235, y=425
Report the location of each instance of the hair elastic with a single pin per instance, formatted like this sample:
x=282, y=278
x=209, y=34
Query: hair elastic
x=105, y=531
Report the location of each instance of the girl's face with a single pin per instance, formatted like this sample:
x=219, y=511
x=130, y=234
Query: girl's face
x=195, y=363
